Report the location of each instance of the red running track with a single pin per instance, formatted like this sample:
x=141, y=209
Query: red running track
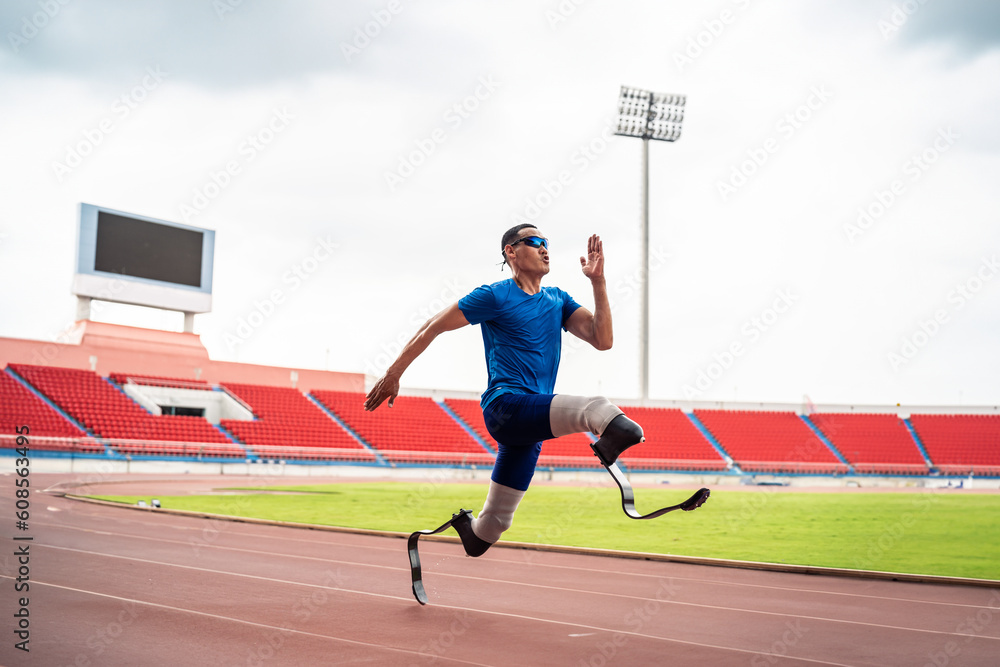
x=113, y=586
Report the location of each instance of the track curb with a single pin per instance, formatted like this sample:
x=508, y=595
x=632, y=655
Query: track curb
x=585, y=551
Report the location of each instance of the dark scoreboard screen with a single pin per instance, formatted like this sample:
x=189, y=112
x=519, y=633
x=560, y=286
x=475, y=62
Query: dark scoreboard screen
x=142, y=249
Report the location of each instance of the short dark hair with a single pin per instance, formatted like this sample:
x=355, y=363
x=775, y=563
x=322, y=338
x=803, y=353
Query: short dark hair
x=510, y=236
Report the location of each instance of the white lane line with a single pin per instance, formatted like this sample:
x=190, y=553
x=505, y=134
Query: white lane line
x=466, y=609
x=245, y=622
x=491, y=580
x=576, y=568
x=515, y=561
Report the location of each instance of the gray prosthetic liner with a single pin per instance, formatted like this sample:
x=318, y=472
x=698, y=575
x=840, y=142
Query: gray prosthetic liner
x=498, y=512
x=579, y=414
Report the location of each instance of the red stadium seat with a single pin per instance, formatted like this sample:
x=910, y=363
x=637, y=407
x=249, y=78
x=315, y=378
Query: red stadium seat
x=110, y=413
x=872, y=443
x=961, y=444
x=761, y=441
x=289, y=425
x=416, y=429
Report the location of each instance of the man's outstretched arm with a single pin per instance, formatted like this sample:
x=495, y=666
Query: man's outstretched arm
x=595, y=328
x=388, y=386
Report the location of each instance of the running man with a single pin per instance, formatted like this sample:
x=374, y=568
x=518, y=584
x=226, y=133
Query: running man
x=521, y=322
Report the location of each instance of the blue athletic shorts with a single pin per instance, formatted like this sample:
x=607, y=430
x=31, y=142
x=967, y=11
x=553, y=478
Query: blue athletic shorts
x=519, y=423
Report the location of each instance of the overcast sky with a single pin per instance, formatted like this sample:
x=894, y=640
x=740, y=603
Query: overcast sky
x=827, y=225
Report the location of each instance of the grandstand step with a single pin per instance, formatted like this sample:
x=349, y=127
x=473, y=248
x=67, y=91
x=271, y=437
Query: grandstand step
x=329, y=413
x=826, y=441
x=236, y=441
x=414, y=423
x=14, y=376
x=712, y=440
x=468, y=429
x=919, y=443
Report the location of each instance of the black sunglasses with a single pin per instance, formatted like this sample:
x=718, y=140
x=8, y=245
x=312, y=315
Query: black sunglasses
x=532, y=241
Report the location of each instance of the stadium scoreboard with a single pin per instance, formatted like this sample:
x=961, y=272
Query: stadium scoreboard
x=137, y=260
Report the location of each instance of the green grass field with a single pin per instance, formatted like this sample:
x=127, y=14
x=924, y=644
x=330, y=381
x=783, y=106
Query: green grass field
x=918, y=532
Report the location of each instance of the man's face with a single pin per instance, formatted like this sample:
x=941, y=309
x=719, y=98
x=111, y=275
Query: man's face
x=529, y=258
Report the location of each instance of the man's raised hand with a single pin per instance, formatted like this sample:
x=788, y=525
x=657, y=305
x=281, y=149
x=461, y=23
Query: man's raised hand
x=593, y=263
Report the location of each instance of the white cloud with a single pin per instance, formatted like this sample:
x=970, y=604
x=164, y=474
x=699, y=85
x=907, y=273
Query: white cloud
x=400, y=250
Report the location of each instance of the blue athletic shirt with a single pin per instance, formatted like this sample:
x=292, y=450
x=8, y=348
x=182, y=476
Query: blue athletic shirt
x=521, y=334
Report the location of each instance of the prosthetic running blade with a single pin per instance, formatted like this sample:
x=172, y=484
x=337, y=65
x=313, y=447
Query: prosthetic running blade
x=628, y=496
x=411, y=546
x=628, y=504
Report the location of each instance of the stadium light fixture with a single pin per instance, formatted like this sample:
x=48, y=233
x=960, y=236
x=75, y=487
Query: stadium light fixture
x=648, y=115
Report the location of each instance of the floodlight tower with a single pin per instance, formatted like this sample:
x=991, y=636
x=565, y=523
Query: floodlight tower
x=648, y=115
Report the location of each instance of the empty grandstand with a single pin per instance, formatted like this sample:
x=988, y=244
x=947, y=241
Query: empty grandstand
x=142, y=413
x=287, y=424
x=105, y=411
x=415, y=429
x=673, y=442
x=961, y=444
x=873, y=443
x=50, y=430
x=113, y=392
x=569, y=451
x=776, y=442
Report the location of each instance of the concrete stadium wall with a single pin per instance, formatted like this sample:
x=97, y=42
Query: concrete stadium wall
x=112, y=348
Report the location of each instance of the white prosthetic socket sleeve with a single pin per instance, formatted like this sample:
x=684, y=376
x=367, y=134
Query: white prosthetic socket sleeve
x=578, y=414
x=498, y=512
